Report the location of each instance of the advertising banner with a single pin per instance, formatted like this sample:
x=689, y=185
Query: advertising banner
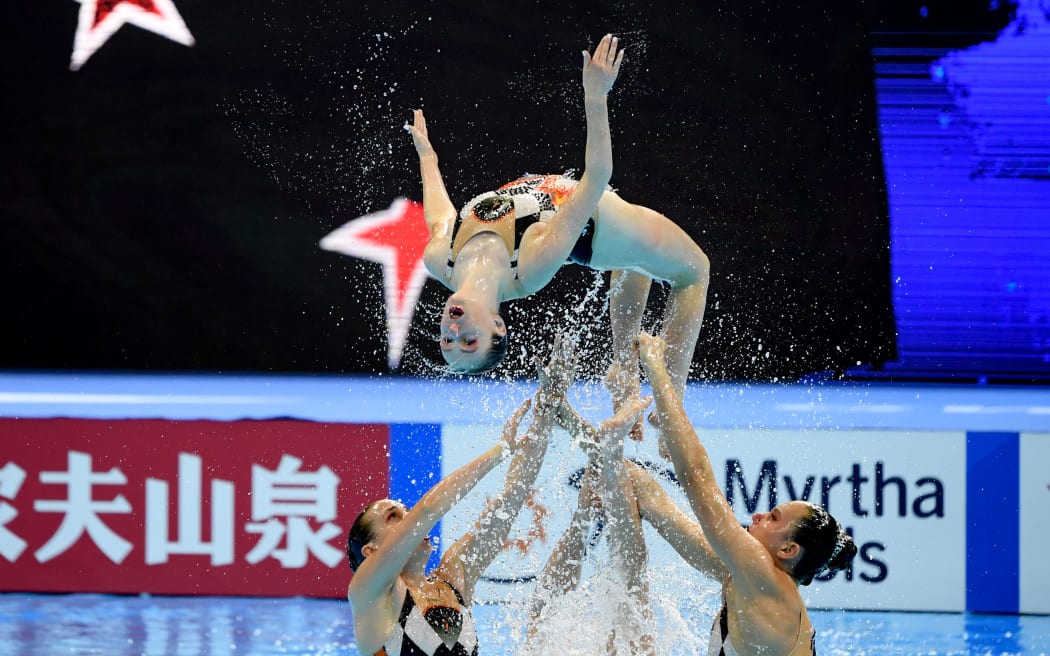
x=1034, y=483
x=184, y=507
x=901, y=494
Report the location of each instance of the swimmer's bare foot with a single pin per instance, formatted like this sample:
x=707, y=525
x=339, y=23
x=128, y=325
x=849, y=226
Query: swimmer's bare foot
x=624, y=384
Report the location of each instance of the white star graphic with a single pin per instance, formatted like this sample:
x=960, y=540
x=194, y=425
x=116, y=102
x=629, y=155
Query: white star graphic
x=100, y=19
x=396, y=238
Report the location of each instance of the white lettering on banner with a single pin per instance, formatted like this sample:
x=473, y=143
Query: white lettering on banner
x=11, y=478
x=189, y=541
x=287, y=492
x=81, y=511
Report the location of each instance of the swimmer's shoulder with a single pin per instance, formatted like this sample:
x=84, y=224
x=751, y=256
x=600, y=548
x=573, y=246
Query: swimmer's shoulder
x=435, y=259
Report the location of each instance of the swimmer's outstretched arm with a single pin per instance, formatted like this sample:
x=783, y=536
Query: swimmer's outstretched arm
x=545, y=249
x=562, y=572
x=438, y=210
x=744, y=557
x=679, y=530
x=468, y=558
x=380, y=569
x=624, y=526
x=604, y=449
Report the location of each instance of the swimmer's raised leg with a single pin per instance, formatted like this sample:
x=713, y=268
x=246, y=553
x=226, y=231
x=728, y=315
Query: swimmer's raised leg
x=647, y=241
x=682, y=320
x=628, y=295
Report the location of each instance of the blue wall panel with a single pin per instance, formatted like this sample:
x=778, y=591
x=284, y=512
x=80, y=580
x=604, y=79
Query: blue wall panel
x=415, y=465
x=992, y=530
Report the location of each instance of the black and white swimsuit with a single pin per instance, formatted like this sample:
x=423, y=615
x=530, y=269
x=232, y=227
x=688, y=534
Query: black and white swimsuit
x=416, y=633
x=520, y=203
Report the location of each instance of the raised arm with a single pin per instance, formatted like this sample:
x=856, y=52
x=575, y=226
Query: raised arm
x=380, y=569
x=438, y=210
x=468, y=558
x=562, y=571
x=624, y=529
x=743, y=556
x=621, y=511
x=547, y=248
x=604, y=449
x=679, y=530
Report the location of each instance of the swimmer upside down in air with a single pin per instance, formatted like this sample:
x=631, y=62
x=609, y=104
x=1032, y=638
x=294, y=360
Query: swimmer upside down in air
x=509, y=243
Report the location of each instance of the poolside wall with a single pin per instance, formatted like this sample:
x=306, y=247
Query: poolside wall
x=946, y=519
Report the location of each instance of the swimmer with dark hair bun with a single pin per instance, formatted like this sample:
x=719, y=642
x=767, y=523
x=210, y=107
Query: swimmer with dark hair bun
x=509, y=243
x=760, y=566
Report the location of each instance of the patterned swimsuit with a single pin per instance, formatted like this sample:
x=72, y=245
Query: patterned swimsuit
x=416, y=633
x=520, y=203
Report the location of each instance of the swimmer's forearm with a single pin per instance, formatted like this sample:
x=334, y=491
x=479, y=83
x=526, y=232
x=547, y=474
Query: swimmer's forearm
x=438, y=209
x=687, y=453
x=479, y=548
x=521, y=475
x=692, y=464
x=562, y=572
x=443, y=496
x=598, y=163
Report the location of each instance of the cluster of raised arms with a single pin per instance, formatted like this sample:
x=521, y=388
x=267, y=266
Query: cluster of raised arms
x=506, y=244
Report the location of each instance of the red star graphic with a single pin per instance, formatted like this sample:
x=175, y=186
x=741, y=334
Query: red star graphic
x=396, y=238
x=100, y=19
x=104, y=8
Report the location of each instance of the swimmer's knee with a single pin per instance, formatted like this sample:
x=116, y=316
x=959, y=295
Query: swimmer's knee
x=696, y=274
x=703, y=264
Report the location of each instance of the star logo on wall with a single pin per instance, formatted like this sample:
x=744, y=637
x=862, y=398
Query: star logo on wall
x=100, y=19
x=396, y=238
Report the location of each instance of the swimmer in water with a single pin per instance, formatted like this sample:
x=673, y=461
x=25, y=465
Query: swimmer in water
x=398, y=608
x=509, y=243
x=606, y=491
x=760, y=566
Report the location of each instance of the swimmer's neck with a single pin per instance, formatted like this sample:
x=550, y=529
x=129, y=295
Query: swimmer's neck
x=483, y=270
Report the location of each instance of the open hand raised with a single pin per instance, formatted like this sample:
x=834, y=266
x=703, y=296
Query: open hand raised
x=511, y=440
x=559, y=373
x=420, y=137
x=600, y=70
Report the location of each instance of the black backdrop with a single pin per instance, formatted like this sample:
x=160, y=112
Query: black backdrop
x=161, y=207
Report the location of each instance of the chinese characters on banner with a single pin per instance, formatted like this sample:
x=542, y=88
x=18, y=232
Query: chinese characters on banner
x=184, y=507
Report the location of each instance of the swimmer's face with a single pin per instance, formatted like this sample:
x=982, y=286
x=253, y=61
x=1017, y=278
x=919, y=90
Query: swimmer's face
x=383, y=518
x=776, y=528
x=467, y=331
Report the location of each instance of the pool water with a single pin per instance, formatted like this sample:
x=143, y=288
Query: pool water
x=48, y=625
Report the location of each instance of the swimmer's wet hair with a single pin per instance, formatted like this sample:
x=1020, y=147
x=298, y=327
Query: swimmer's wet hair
x=497, y=353
x=826, y=547
x=361, y=533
